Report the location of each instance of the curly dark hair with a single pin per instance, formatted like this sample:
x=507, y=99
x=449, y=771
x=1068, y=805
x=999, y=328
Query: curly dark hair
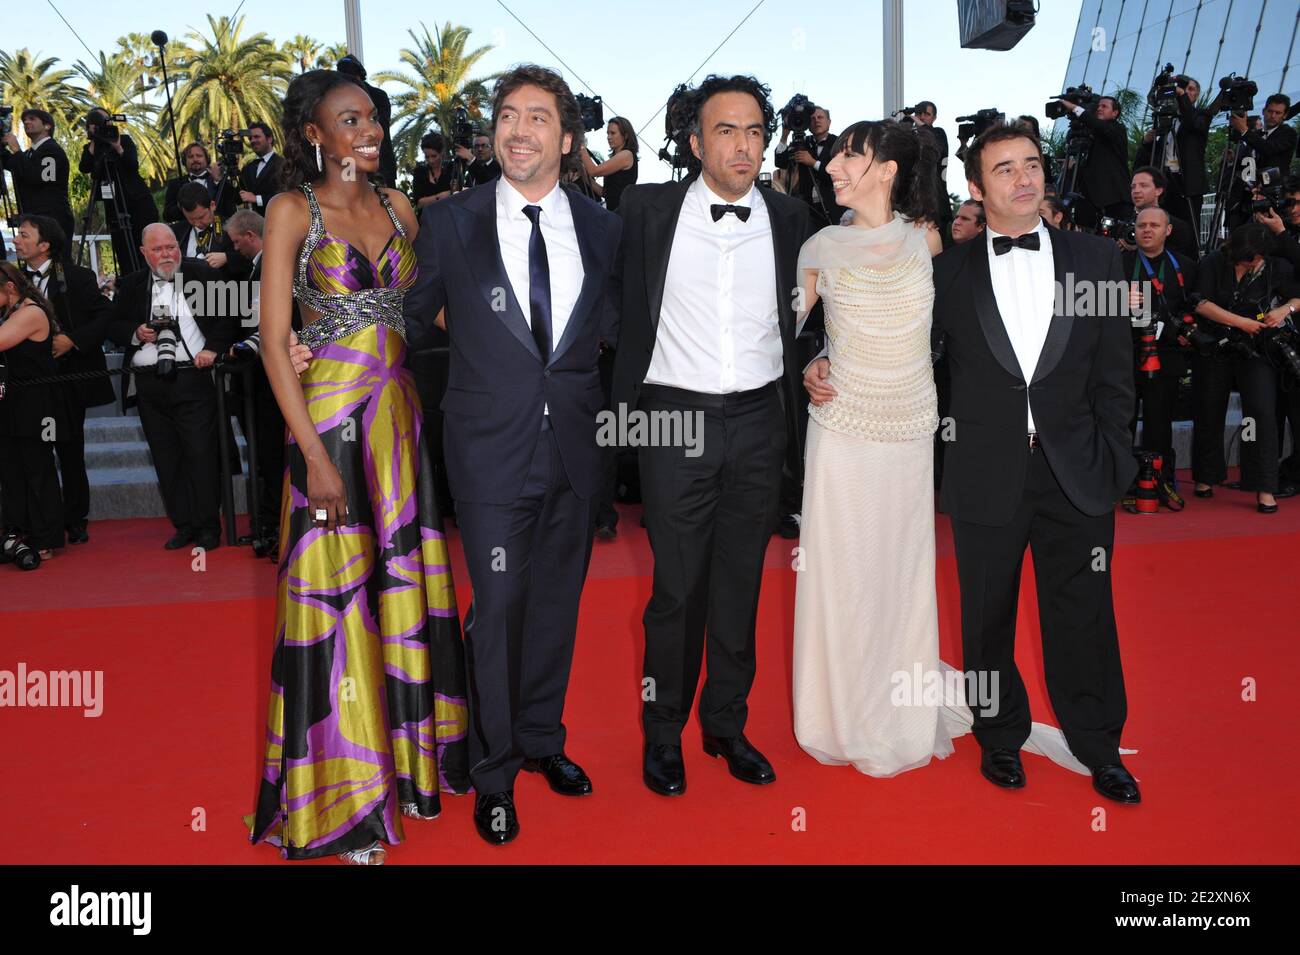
x=914, y=192
x=713, y=84
x=995, y=134
x=530, y=74
x=300, y=104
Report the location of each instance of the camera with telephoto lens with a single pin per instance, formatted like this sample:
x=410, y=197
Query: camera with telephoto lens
x=1237, y=94
x=6, y=115
x=1164, y=100
x=230, y=146
x=14, y=550
x=1281, y=347
x=1268, y=193
x=1079, y=95
x=679, y=117
x=102, y=130
x=462, y=130
x=161, y=322
x=593, y=112
x=796, y=116
x=976, y=123
x=1113, y=228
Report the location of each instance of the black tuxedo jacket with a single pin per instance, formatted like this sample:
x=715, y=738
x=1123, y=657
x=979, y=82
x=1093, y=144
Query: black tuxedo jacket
x=497, y=383
x=784, y=159
x=265, y=185
x=1275, y=149
x=236, y=267
x=1193, y=134
x=1105, y=179
x=650, y=213
x=83, y=315
x=38, y=194
x=135, y=193
x=1081, y=393
x=227, y=202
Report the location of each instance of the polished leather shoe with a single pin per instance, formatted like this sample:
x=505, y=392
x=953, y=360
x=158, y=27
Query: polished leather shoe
x=179, y=540
x=77, y=534
x=1117, y=783
x=564, y=775
x=1002, y=768
x=208, y=541
x=1286, y=490
x=1266, y=508
x=606, y=532
x=495, y=817
x=663, y=769
x=745, y=762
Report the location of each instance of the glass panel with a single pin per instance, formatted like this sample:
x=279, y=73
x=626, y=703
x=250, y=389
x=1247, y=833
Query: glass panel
x=1238, y=38
x=1205, y=41
x=1074, y=72
x=1157, y=12
x=1087, y=20
x=1147, y=62
x=1107, y=23
x=1274, y=41
x=1121, y=58
x=1176, y=37
x=1182, y=6
x=1097, y=65
x=1130, y=20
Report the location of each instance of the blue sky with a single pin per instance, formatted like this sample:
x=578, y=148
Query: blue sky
x=633, y=52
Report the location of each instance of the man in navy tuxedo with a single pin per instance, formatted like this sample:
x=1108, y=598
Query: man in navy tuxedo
x=518, y=272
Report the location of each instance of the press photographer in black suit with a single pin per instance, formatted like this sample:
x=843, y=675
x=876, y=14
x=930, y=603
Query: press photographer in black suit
x=198, y=168
x=112, y=157
x=1104, y=179
x=483, y=166
x=82, y=314
x=40, y=171
x=201, y=235
x=259, y=180
x=1272, y=147
x=809, y=179
x=925, y=115
x=1148, y=191
x=1183, y=158
x=178, y=410
x=1285, y=230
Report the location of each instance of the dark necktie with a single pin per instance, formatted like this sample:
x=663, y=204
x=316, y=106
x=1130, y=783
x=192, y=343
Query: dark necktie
x=539, y=284
x=717, y=211
x=1003, y=243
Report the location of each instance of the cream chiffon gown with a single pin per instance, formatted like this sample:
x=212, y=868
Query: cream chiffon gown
x=866, y=629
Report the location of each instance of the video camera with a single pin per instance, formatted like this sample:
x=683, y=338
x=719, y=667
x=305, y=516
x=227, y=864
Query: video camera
x=974, y=124
x=1079, y=95
x=1237, y=94
x=102, y=131
x=1163, y=98
x=796, y=116
x=679, y=117
x=593, y=112
x=1269, y=195
x=462, y=130
x=229, y=147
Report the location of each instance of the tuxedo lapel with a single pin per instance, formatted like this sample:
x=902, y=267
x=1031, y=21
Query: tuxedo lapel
x=1058, y=332
x=476, y=223
x=585, y=226
x=986, y=307
x=659, y=227
x=785, y=253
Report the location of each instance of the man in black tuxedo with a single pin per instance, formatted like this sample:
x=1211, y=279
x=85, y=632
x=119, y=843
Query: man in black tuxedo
x=111, y=157
x=1180, y=155
x=483, y=166
x=259, y=180
x=82, y=314
x=1148, y=190
x=708, y=335
x=40, y=171
x=1104, y=180
x=384, y=108
x=201, y=235
x=179, y=413
x=198, y=168
x=1272, y=147
x=521, y=271
x=925, y=115
x=811, y=181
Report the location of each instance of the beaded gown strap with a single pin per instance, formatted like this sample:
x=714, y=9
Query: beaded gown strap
x=345, y=313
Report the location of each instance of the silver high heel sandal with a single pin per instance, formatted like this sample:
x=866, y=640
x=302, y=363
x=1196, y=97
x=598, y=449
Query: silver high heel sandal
x=373, y=854
x=412, y=811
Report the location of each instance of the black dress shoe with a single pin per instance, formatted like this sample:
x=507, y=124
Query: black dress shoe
x=564, y=775
x=1203, y=491
x=77, y=534
x=208, y=541
x=1002, y=768
x=663, y=769
x=1286, y=490
x=495, y=817
x=745, y=762
x=1266, y=508
x=179, y=540
x=1117, y=783
x=606, y=532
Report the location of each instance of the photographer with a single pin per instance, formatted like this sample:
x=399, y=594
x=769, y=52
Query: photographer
x=40, y=171
x=483, y=166
x=1271, y=147
x=199, y=234
x=620, y=169
x=1104, y=179
x=111, y=159
x=925, y=114
x=29, y=483
x=152, y=318
x=198, y=168
x=1245, y=290
x=1053, y=212
x=431, y=179
x=969, y=221
x=806, y=158
x=1285, y=234
x=1162, y=279
x=259, y=180
x=81, y=313
x=1147, y=189
x=1182, y=159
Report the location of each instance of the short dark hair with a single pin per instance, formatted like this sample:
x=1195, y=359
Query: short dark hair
x=433, y=141
x=714, y=84
x=207, y=156
x=925, y=106
x=913, y=151
x=1291, y=184
x=1113, y=100
x=192, y=195
x=352, y=66
x=40, y=114
x=566, y=104
x=49, y=230
x=995, y=134
x=978, y=207
x=270, y=133
x=1247, y=241
x=1057, y=205
x=1157, y=177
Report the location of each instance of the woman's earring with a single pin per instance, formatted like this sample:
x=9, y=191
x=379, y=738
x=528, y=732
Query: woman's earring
x=319, y=165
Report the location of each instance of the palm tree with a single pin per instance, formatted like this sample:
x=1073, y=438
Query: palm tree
x=229, y=81
x=27, y=81
x=304, y=50
x=331, y=55
x=439, y=85
x=112, y=82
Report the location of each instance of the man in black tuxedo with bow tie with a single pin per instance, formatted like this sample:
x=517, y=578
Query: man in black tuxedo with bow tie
x=40, y=171
x=198, y=168
x=521, y=269
x=259, y=180
x=811, y=181
x=708, y=331
x=201, y=235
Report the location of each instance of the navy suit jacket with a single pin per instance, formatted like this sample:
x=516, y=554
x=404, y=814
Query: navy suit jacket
x=497, y=383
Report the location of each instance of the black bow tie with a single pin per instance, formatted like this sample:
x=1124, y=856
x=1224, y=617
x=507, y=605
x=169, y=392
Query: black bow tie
x=742, y=212
x=1003, y=243
x=34, y=274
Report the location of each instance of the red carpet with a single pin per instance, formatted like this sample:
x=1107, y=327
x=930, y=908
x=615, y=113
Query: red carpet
x=1204, y=600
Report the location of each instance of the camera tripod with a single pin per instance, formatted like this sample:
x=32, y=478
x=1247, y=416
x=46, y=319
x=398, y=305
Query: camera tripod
x=105, y=174
x=1077, y=147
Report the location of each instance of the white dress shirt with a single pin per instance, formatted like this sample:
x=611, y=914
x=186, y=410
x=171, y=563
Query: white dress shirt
x=718, y=326
x=563, y=256
x=1024, y=285
x=261, y=164
x=167, y=293
x=43, y=282
x=36, y=144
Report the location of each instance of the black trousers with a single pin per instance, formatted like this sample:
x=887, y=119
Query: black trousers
x=606, y=515
x=527, y=562
x=180, y=424
x=1256, y=379
x=29, y=490
x=71, y=450
x=1157, y=397
x=1288, y=409
x=709, y=519
x=268, y=428
x=1072, y=555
